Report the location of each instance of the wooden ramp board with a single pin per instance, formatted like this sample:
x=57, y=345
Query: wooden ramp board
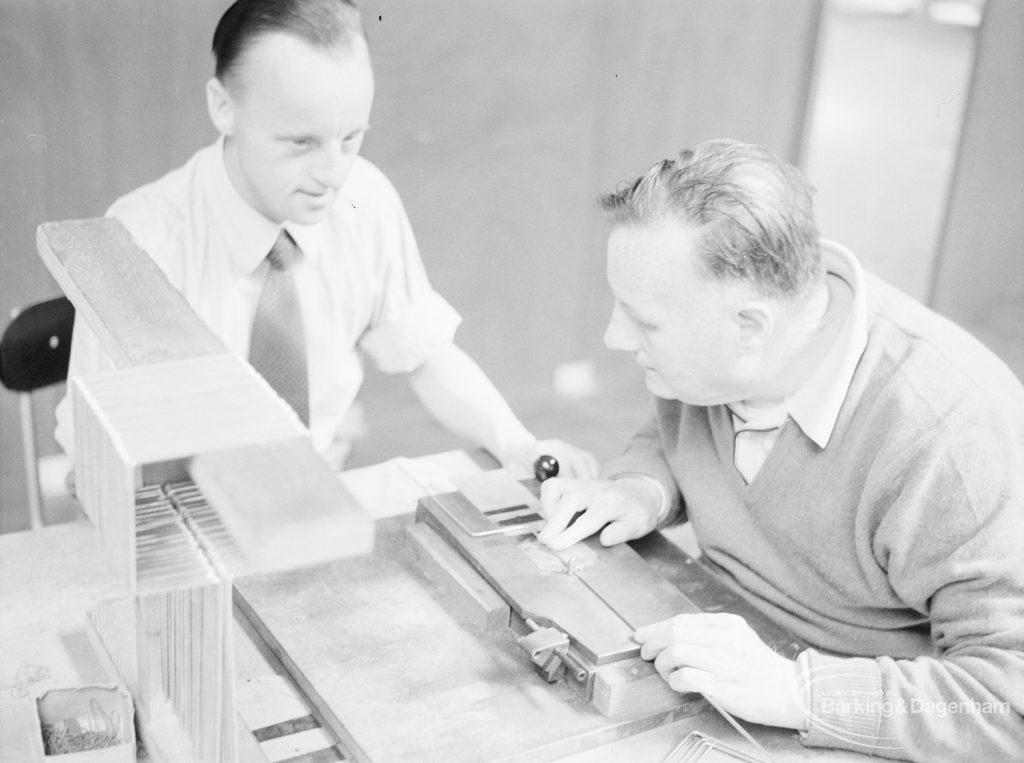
x=373, y=646
x=122, y=294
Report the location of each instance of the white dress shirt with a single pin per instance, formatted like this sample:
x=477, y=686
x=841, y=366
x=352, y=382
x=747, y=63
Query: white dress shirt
x=362, y=285
x=755, y=431
x=815, y=406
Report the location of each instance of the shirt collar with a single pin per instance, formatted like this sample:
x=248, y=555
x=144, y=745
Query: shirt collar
x=758, y=419
x=248, y=234
x=815, y=406
x=309, y=238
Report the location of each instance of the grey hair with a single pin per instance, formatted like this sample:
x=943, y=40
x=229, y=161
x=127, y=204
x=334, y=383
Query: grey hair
x=754, y=213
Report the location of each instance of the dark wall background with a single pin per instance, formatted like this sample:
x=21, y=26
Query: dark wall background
x=95, y=98
x=498, y=122
x=501, y=123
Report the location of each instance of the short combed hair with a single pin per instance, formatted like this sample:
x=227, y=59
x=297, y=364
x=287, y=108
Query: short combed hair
x=323, y=23
x=754, y=213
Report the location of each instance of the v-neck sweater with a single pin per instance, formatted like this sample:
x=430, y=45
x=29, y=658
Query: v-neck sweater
x=895, y=550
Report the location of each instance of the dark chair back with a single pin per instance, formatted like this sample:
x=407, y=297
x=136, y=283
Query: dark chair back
x=36, y=346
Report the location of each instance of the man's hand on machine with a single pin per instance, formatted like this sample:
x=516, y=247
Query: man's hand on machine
x=720, y=656
x=626, y=508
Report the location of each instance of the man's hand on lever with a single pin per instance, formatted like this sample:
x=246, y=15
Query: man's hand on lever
x=626, y=508
x=572, y=461
x=720, y=656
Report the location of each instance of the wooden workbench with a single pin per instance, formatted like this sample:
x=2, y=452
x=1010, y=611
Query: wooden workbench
x=359, y=651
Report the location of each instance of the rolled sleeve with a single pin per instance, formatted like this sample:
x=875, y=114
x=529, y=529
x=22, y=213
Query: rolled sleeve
x=410, y=320
x=404, y=342
x=845, y=704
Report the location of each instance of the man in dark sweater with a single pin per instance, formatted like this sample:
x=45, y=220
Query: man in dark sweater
x=850, y=461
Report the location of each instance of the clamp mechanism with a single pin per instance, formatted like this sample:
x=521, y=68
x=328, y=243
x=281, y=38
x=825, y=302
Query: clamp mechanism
x=548, y=647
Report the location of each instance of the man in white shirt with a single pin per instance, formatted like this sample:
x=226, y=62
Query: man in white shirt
x=291, y=98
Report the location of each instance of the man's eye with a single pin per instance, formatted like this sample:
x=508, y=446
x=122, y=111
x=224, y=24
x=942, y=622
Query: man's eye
x=302, y=142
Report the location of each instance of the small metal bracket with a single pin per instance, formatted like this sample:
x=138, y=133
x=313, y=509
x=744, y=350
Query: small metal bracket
x=548, y=647
x=542, y=644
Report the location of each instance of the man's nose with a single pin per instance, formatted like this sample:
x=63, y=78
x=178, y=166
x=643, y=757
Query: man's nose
x=332, y=167
x=618, y=336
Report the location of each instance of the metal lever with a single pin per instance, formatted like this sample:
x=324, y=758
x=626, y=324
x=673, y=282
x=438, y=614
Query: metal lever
x=545, y=467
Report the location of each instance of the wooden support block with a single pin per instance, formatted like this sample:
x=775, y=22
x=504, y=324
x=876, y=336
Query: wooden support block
x=474, y=597
x=170, y=650
x=282, y=504
x=106, y=479
x=170, y=411
x=633, y=687
x=212, y=418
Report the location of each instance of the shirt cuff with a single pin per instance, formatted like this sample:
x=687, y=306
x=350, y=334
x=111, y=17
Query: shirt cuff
x=403, y=345
x=844, y=701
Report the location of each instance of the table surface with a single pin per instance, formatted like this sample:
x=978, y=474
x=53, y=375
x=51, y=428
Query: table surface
x=373, y=645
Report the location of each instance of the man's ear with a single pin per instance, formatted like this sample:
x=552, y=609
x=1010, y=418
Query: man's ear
x=221, y=106
x=755, y=323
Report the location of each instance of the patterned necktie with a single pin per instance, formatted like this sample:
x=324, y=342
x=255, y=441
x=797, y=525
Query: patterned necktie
x=277, y=347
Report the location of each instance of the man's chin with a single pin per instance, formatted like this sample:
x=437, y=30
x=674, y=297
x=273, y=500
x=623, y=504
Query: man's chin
x=309, y=216
x=307, y=209
x=656, y=386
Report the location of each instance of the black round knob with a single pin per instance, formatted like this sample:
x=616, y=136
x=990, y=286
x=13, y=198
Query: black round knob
x=545, y=467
